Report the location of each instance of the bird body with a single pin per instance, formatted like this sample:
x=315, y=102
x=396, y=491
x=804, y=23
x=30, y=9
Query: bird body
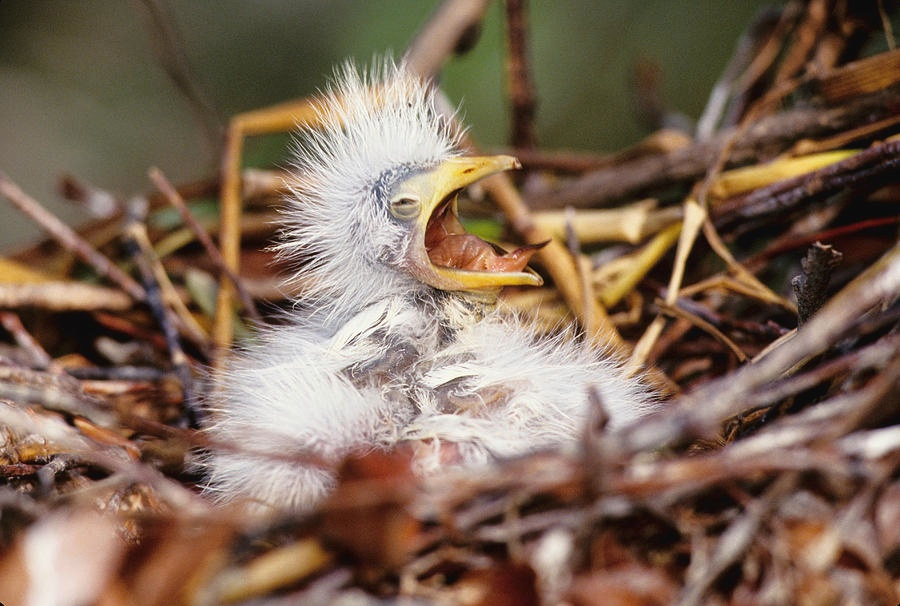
x=397, y=337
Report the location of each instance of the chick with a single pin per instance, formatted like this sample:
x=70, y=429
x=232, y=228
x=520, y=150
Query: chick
x=396, y=336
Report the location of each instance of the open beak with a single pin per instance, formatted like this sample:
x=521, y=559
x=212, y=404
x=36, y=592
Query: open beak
x=442, y=253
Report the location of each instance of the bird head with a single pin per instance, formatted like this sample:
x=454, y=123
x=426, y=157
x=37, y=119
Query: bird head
x=373, y=210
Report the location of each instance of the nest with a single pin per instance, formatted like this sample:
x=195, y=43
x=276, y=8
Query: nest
x=752, y=270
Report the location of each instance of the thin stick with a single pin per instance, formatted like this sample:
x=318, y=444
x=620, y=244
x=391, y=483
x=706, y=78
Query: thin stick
x=519, y=81
x=741, y=273
x=694, y=216
x=175, y=199
x=583, y=267
x=186, y=322
x=640, y=264
x=701, y=412
x=557, y=260
x=169, y=45
x=886, y=25
x=447, y=31
x=68, y=438
x=68, y=238
x=773, y=134
x=13, y=324
x=64, y=296
x=278, y=118
x=708, y=327
x=165, y=317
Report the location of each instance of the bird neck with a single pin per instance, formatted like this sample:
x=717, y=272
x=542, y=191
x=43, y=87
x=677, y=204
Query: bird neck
x=460, y=309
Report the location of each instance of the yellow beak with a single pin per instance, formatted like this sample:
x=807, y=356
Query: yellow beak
x=442, y=254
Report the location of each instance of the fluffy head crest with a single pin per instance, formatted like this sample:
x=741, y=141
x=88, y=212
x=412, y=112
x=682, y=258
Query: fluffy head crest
x=375, y=128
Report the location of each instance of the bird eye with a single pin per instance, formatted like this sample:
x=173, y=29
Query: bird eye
x=405, y=207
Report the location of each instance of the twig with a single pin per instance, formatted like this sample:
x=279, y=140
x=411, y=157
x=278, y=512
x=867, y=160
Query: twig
x=781, y=247
x=732, y=84
x=67, y=237
x=215, y=256
x=868, y=75
x=556, y=259
x=741, y=273
x=811, y=286
x=118, y=373
x=654, y=144
x=741, y=287
x=70, y=440
x=52, y=391
x=875, y=356
x=169, y=46
x=886, y=24
x=276, y=569
x=694, y=217
x=451, y=29
x=632, y=223
x=130, y=328
x=99, y=202
x=519, y=81
x=679, y=311
x=182, y=317
x=701, y=412
x=164, y=316
x=63, y=296
x=880, y=164
x=764, y=138
x=13, y=324
x=561, y=161
x=638, y=265
x=583, y=267
x=733, y=542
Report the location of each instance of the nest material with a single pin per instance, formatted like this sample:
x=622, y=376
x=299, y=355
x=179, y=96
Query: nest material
x=770, y=476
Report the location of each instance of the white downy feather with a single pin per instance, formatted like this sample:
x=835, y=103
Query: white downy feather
x=372, y=357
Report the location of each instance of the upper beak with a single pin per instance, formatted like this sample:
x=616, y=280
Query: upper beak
x=456, y=173
x=439, y=187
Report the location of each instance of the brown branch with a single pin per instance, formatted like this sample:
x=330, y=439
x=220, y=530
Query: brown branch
x=734, y=541
x=215, y=256
x=876, y=356
x=519, y=81
x=657, y=143
x=781, y=246
x=68, y=238
x=878, y=165
x=561, y=161
x=452, y=28
x=141, y=253
x=100, y=203
x=753, y=55
x=766, y=138
x=13, y=325
x=63, y=296
x=54, y=391
x=812, y=285
x=172, y=55
x=680, y=310
x=700, y=412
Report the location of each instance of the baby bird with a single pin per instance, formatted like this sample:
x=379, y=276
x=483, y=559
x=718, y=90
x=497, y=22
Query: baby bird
x=396, y=336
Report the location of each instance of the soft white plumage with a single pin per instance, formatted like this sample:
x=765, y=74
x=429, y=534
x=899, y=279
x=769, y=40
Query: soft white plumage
x=386, y=346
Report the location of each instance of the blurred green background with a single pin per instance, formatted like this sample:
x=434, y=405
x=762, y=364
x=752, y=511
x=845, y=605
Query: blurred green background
x=82, y=91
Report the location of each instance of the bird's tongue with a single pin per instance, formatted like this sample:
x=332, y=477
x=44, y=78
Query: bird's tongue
x=449, y=245
x=465, y=251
